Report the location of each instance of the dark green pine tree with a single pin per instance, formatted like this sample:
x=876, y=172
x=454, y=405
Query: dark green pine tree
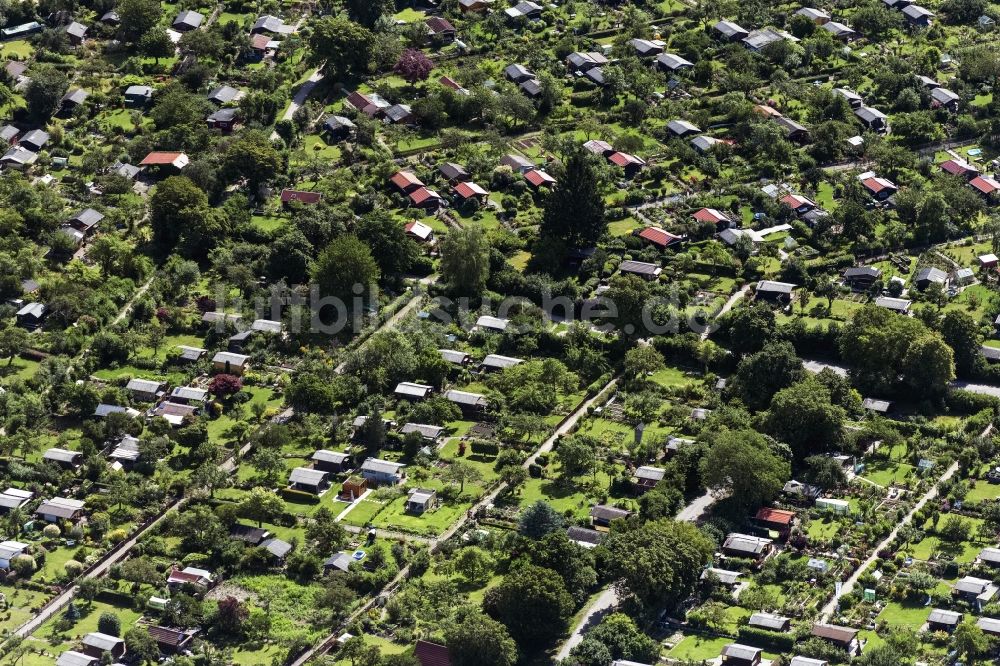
x=574, y=211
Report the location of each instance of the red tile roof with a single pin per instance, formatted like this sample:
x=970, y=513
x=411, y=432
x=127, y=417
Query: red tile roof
x=711, y=215
x=297, y=195
x=777, y=516
x=422, y=194
x=160, y=157
x=796, y=201
x=658, y=236
x=469, y=189
x=624, y=159
x=449, y=82
x=432, y=654
x=876, y=185
x=539, y=178
x=259, y=42
x=405, y=179
x=439, y=25
x=985, y=184
x=957, y=167
x=358, y=101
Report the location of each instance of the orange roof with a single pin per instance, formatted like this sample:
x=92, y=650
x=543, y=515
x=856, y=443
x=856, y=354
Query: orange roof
x=776, y=516
x=405, y=179
x=422, y=194
x=710, y=215
x=624, y=159
x=160, y=157
x=658, y=236
x=469, y=189
x=539, y=178
x=985, y=184
x=765, y=110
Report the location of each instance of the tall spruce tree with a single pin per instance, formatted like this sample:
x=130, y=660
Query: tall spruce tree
x=574, y=212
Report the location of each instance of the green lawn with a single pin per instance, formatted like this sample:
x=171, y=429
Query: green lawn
x=430, y=523
x=18, y=48
x=983, y=490
x=363, y=512
x=896, y=614
x=698, y=648
x=18, y=368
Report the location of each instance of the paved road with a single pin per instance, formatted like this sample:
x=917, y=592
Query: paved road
x=830, y=608
x=300, y=97
x=726, y=307
x=607, y=600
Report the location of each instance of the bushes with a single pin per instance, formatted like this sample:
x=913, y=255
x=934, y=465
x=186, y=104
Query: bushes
x=484, y=447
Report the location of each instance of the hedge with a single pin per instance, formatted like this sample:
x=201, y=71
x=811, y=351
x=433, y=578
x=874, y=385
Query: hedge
x=484, y=447
x=772, y=639
x=300, y=496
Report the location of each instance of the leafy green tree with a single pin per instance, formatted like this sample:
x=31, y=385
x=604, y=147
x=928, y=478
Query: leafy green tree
x=368, y=12
x=762, y=374
x=643, y=360
x=969, y=642
x=13, y=341
x=929, y=365
x=324, y=532
x=804, y=417
x=461, y=472
x=176, y=204
x=574, y=210
x=658, y=563
x=156, y=44
x=261, y=505
x=474, y=564
x=45, y=91
x=874, y=343
x=961, y=333
x=252, y=156
x=824, y=472
x=625, y=639
x=741, y=464
x=109, y=624
x=532, y=603
x=342, y=47
x=474, y=639
x=345, y=262
x=138, y=17
x=465, y=260
x=270, y=464
x=577, y=455
x=395, y=252
x=750, y=328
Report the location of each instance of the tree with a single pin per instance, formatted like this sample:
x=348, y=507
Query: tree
x=577, y=455
x=473, y=639
x=465, y=260
x=928, y=366
x=359, y=653
x=270, y=464
x=539, y=519
x=741, y=464
x=341, y=46
x=140, y=571
x=368, y=12
x=762, y=374
x=658, y=563
x=261, y=505
x=210, y=476
x=643, y=360
x=461, y=472
x=109, y=624
x=176, y=204
x=963, y=11
x=141, y=647
x=156, y=44
x=231, y=616
x=324, y=532
x=45, y=90
x=961, y=333
x=13, y=341
x=824, y=471
x=345, y=262
x=225, y=386
x=574, y=210
x=803, y=417
x=623, y=638
x=750, y=328
x=413, y=66
x=474, y=564
x=253, y=157
x=138, y=17
x=532, y=602
x=970, y=642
